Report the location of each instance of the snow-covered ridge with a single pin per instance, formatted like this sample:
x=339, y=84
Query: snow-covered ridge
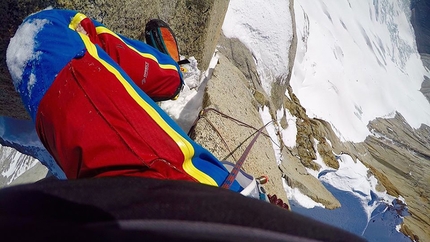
x=346, y=51
x=346, y=72
x=355, y=61
x=265, y=28
x=13, y=164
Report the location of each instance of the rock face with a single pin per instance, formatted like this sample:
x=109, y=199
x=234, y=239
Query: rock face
x=402, y=154
x=197, y=25
x=235, y=91
x=226, y=138
x=425, y=86
x=13, y=164
x=420, y=21
x=398, y=155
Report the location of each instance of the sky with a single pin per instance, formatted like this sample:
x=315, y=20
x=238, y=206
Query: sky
x=356, y=60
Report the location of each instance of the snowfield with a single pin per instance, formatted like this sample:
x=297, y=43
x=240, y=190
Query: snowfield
x=356, y=60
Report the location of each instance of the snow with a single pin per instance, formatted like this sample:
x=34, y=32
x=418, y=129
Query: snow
x=294, y=194
x=18, y=166
x=290, y=132
x=357, y=63
x=20, y=50
x=356, y=60
x=346, y=51
x=271, y=130
x=186, y=108
x=264, y=26
x=319, y=160
x=353, y=177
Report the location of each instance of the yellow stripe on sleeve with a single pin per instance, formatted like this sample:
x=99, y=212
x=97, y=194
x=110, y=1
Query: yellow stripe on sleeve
x=185, y=146
x=104, y=30
x=76, y=20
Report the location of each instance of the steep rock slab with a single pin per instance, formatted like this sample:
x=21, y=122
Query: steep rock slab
x=292, y=168
x=297, y=177
x=34, y=174
x=296, y=159
x=227, y=92
x=402, y=154
x=241, y=57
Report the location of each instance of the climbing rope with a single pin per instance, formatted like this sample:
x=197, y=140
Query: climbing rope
x=232, y=175
x=241, y=123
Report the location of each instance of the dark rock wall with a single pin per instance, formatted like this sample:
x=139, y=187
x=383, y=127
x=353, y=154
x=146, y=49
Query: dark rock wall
x=197, y=25
x=12, y=13
x=421, y=22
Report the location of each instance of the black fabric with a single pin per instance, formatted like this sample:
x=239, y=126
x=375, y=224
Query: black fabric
x=184, y=61
x=75, y=208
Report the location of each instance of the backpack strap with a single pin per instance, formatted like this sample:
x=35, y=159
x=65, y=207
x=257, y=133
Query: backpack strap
x=184, y=61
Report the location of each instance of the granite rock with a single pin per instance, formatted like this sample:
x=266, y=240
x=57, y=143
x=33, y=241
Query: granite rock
x=197, y=26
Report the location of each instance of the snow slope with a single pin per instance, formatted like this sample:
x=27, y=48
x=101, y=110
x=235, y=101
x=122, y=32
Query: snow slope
x=356, y=60
x=347, y=50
